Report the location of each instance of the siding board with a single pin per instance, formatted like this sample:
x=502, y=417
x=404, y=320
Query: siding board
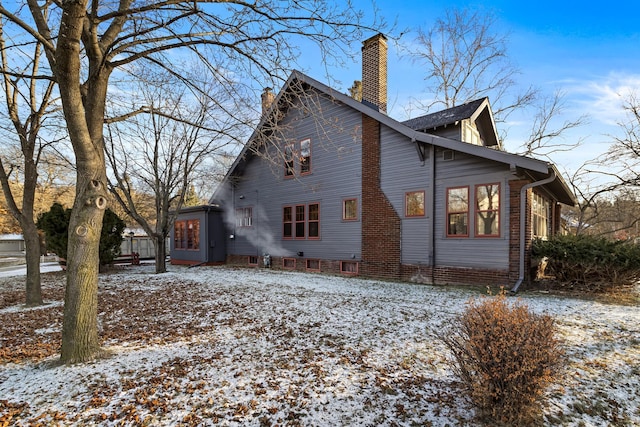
x=334, y=131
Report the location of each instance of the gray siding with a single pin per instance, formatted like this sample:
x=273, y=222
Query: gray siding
x=451, y=132
x=199, y=255
x=402, y=172
x=335, y=136
x=472, y=251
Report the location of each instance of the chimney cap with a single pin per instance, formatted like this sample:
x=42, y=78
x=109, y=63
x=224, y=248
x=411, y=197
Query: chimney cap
x=374, y=38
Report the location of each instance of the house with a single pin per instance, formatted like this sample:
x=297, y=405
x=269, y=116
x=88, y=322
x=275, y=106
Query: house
x=330, y=184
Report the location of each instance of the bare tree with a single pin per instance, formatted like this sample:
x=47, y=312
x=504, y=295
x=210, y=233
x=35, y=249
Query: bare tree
x=28, y=101
x=87, y=41
x=622, y=160
x=547, y=136
x=466, y=58
x=160, y=151
x=607, y=186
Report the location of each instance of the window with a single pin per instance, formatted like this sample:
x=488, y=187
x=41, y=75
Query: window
x=244, y=217
x=305, y=156
x=187, y=234
x=179, y=233
x=253, y=260
x=193, y=234
x=488, y=210
x=314, y=221
x=350, y=209
x=288, y=160
x=540, y=216
x=313, y=265
x=471, y=134
x=301, y=221
x=458, y=211
x=414, y=203
x=294, y=154
x=287, y=222
x=349, y=267
x=289, y=263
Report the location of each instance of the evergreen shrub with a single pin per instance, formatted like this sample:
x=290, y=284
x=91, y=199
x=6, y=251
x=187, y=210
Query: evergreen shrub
x=55, y=225
x=589, y=261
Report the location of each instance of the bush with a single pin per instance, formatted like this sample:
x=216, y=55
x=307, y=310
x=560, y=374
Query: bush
x=505, y=357
x=589, y=261
x=55, y=225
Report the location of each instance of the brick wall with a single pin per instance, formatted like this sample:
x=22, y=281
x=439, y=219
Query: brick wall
x=514, y=229
x=380, y=221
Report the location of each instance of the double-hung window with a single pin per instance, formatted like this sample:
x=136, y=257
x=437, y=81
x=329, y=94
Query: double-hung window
x=305, y=156
x=287, y=222
x=301, y=221
x=314, y=221
x=244, y=217
x=297, y=158
x=540, y=216
x=488, y=210
x=458, y=212
x=288, y=160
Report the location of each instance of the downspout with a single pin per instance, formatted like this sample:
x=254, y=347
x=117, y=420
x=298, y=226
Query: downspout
x=432, y=203
x=523, y=224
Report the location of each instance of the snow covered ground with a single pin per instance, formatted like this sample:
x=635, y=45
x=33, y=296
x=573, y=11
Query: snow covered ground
x=21, y=270
x=241, y=347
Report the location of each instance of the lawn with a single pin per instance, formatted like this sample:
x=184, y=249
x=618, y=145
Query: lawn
x=243, y=347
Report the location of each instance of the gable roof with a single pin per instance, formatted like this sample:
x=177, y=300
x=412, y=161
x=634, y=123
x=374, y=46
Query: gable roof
x=534, y=168
x=444, y=117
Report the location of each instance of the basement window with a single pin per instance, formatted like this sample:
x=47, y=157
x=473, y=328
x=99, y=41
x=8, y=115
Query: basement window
x=349, y=267
x=289, y=263
x=313, y=265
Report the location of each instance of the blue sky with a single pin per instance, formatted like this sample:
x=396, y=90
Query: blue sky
x=589, y=51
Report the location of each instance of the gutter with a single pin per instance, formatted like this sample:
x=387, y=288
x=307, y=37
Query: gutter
x=523, y=223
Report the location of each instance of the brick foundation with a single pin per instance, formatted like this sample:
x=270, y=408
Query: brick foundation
x=408, y=273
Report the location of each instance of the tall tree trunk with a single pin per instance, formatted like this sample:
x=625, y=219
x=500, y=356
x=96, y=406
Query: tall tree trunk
x=161, y=253
x=32, y=254
x=83, y=106
x=29, y=229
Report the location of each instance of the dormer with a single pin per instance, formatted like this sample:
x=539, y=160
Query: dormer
x=471, y=123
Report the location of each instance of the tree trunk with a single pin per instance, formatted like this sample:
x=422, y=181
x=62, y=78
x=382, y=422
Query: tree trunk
x=83, y=107
x=80, y=323
x=32, y=254
x=161, y=254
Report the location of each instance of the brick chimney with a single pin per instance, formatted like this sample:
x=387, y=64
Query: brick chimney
x=380, y=222
x=267, y=99
x=374, y=72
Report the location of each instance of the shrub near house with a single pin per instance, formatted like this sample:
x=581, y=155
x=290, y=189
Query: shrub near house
x=505, y=356
x=589, y=262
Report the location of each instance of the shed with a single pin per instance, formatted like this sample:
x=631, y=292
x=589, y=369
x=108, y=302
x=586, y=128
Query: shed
x=198, y=236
